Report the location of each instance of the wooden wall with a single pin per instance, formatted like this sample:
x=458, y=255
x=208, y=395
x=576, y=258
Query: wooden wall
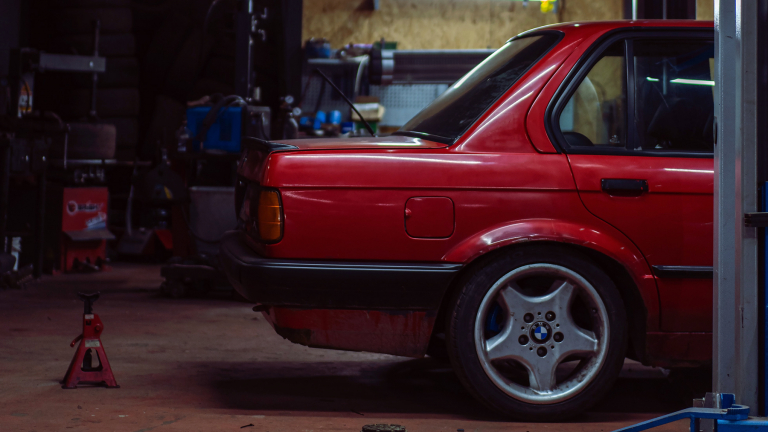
x=705, y=10
x=441, y=24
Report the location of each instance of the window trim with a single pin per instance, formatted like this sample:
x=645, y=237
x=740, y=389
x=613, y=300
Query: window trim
x=568, y=87
x=450, y=142
x=629, y=53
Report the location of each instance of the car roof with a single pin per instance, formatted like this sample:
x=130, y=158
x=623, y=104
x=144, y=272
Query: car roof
x=603, y=26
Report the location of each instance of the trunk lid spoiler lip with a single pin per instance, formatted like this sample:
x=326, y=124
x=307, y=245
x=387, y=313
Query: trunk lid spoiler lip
x=361, y=143
x=251, y=143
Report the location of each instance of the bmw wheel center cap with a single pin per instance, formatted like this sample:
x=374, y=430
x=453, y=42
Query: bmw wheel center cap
x=541, y=332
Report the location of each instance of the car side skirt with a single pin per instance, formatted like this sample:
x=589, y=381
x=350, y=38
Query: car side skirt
x=402, y=333
x=684, y=349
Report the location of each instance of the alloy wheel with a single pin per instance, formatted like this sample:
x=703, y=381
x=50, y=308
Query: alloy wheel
x=541, y=333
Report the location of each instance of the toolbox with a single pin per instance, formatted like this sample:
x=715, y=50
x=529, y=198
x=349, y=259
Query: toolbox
x=80, y=219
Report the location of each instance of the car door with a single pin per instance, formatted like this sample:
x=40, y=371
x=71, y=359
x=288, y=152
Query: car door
x=636, y=123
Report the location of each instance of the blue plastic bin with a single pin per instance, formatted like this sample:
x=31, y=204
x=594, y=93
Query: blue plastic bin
x=224, y=133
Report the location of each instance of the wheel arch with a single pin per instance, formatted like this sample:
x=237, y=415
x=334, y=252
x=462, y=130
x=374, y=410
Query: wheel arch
x=636, y=285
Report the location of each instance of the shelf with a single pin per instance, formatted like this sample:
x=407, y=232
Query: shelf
x=335, y=61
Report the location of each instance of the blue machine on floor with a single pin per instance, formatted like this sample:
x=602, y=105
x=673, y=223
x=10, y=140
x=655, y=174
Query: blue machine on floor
x=728, y=416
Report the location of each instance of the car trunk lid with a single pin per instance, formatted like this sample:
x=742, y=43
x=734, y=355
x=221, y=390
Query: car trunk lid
x=253, y=163
x=363, y=143
x=256, y=151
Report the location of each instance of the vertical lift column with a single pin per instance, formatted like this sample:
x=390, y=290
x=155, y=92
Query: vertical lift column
x=736, y=307
x=762, y=178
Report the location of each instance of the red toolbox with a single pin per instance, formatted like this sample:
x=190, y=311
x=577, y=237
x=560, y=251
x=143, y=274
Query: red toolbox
x=82, y=228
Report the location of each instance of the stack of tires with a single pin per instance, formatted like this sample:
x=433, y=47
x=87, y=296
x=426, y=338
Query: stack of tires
x=68, y=27
x=160, y=55
x=189, y=57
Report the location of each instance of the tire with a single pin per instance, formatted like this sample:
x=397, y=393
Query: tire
x=79, y=21
x=127, y=129
x=491, y=324
x=114, y=45
x=221, y=69
x=184, y=71
x=163, y=50
x=224, y=46
x=119, y=102
x=88, y=141
x=166, y=120
x=206, y=87
x=89, y=3
x=121, y=73
x=125, y=154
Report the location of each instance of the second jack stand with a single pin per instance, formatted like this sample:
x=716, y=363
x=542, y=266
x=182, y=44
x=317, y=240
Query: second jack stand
x=81, y=369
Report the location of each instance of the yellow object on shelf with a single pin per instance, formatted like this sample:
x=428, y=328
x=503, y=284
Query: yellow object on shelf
x=371, y=111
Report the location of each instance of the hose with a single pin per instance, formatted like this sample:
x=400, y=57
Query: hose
x=214, y=113
x=351, y=105
x=129, y=204
x=203, y=35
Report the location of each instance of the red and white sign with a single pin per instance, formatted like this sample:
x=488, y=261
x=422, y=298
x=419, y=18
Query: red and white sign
x=84, y=208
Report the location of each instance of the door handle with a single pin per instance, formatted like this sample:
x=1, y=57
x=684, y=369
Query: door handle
x=624, y=187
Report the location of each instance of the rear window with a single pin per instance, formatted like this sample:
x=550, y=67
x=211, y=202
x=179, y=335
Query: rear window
x=451, y=114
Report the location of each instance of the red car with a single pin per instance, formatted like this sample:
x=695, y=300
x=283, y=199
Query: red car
x=546, y=217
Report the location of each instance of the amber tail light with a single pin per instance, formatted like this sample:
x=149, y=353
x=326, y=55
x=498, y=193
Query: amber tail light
x=262, y=213
x=270, y=216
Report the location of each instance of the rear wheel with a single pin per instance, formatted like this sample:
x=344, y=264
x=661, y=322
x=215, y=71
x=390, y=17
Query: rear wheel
x=538, y=333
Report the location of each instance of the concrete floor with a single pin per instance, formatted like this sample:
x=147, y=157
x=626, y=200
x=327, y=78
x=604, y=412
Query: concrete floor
x=211, y=364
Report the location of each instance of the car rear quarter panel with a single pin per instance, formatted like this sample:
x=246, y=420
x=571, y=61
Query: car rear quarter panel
x=351, y=206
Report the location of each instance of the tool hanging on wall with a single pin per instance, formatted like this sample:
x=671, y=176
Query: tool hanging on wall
x=81, y=369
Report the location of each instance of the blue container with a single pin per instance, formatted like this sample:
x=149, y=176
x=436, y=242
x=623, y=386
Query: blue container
x=347, y=127
x=335, y=117
x=319, y=119
x=317, y=48
x=224, y=134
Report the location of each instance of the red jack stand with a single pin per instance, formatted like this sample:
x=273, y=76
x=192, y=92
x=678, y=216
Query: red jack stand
x=81, y=368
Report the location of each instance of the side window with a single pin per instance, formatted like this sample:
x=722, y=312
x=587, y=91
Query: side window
x=674, y=94
x=595, y=114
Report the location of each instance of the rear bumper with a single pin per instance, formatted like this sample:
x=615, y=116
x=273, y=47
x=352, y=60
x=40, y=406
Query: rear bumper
x=333, y=284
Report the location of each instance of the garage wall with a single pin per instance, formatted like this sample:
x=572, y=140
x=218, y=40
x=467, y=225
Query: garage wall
x=705, y=9
x=10, y=20
x=440, y=24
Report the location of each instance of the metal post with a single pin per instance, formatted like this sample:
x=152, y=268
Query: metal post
x=244, y=26
x=762, y=179
x=95, y=75
x=735, y=325
x=5, y=175
x=40, y=219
